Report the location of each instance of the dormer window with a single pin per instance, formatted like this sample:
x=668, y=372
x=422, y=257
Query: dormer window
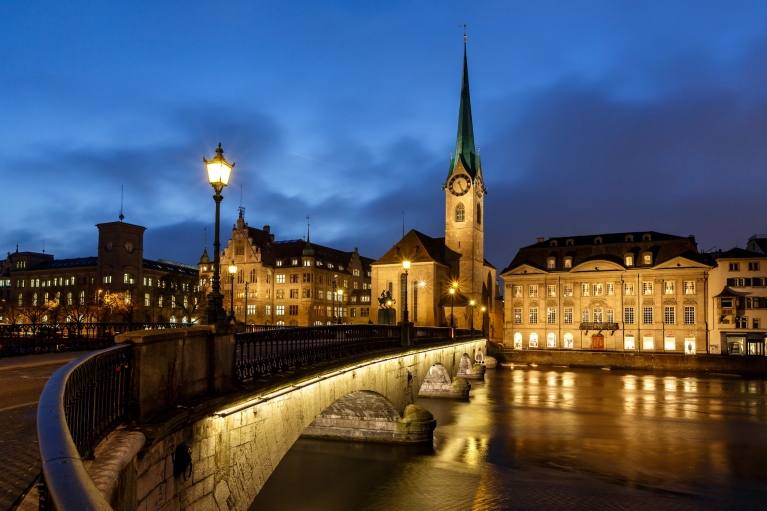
x=278, y=263
x=551, y=263
x=568, y=262
x=647, y=259
x=295, y=262
x=598, y=240
x=569, y=242
x=646, y=237
x=628, y=259
x=629, y=237
x=553, y=243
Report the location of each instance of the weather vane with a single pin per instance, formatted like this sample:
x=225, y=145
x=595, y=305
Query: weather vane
x=464, y=31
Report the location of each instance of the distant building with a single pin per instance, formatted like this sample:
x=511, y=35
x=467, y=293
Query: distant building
x=457, y=259
x=738, y=289
x=291, y=283
x=634, y=291
x=158, y=291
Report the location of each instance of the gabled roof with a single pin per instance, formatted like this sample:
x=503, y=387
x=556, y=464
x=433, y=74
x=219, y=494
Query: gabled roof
x=609, y=247
x=757, y=243
x=417, y=247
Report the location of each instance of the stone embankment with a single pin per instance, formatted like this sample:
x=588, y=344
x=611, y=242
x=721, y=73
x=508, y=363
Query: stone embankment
x=756, y=366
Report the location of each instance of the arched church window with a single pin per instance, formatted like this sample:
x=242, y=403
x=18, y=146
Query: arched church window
x=479, y=214
x=460, y=213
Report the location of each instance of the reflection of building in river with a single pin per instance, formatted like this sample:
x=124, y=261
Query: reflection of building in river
x=641, y=291
x=738, y=289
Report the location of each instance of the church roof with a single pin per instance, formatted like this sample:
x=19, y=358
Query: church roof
x=205, y=259
x=417, y=247
x=465, y=150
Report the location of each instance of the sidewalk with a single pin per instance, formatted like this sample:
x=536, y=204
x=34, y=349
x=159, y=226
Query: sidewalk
x=46, y=359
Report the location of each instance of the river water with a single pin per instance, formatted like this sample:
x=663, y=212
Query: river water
x=553, y=438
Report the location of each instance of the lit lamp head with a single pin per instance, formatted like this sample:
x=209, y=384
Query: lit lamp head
x=232, y=268
x=471, y=302
x=484, y=308
x=388, y=303
x=406, y=265
x=219, y=170
x=340, y=293
x=452, y=290
x=422, y=283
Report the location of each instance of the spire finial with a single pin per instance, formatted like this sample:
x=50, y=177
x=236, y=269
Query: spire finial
x=308, y=226
x=464, y=32
x=205, y=235
x=121, y=203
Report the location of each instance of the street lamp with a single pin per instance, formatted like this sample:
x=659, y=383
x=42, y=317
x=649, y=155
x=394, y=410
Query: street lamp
x=483, y=309
x=232, y=271
x=219, y=171
x=471, y=304
x=340, y=301
x=452, y=303
x=406, y=266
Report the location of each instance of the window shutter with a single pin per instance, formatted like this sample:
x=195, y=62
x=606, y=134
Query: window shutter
x=748, y=281
x=730, y=282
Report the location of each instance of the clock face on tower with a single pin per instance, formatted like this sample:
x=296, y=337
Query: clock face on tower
x=459, y=185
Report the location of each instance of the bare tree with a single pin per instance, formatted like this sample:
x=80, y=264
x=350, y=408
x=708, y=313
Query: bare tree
x=194, y=305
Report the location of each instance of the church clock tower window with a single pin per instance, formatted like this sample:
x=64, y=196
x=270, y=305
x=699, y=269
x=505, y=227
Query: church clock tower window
x=460, y=213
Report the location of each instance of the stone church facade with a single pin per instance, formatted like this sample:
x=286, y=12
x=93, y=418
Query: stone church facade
x=455, y=260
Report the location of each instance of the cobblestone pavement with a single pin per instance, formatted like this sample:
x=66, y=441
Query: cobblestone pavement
x=19, y=456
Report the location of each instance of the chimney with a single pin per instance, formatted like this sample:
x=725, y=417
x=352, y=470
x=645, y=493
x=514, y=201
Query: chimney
x=539, y=240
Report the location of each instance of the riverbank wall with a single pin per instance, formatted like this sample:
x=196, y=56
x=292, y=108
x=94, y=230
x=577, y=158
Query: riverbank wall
x=752, y=366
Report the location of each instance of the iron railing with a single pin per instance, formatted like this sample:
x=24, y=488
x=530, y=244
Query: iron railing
x=275, y=350
x=80, y=404
x=26, y=339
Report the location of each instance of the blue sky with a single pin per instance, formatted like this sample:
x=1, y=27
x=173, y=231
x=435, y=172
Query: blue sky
x=592, y=117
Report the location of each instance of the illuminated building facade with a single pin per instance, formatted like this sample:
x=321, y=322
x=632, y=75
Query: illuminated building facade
x=638, y=292
x=157, y=291
x=291, y=283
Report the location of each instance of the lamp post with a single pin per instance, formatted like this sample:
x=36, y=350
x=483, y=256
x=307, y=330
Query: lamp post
x=340, y=301
x=219, y=171
x=483, y=319
x=471, y=319
x=232, y=271
x=406, y=266
x=452, y=303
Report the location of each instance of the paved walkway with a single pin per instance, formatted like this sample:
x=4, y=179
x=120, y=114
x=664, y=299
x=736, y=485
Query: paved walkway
x=21, y=381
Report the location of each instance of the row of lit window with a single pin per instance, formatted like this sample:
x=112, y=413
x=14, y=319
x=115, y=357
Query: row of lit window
x=597, y=315
x=598, y=289
x=752, y=266
x=628, y=260
x=648, y=342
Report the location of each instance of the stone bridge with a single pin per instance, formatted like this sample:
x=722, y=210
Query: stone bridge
x=182, y=396
x=236, y=449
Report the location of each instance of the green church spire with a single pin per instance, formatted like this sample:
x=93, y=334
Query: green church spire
x=465, y=151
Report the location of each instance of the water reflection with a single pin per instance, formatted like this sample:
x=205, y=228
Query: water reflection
x=543, y=439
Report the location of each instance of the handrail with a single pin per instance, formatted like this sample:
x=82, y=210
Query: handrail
x=258, y=353
x=81, y=402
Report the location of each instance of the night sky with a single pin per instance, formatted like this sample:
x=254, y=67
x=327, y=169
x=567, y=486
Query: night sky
x=592, y=117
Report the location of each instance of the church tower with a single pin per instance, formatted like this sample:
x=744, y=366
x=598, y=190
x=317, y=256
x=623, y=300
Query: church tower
x=464, y=202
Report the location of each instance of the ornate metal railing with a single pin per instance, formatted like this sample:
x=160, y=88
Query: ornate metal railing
x=25, y=339
x=80, y=404
x=275, y=350
x=262, y=328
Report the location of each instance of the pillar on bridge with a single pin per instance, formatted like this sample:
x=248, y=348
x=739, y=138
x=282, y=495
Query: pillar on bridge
x=369, y=417
x=468, y=371
x=437, y=383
